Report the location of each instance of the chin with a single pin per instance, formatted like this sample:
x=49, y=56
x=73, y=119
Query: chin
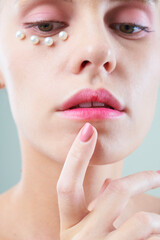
x=104, y=159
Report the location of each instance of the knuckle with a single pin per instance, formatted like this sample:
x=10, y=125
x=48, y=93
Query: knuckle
x=69, y=189
x=154, y=238
x=143, y=218
x=149, y=174
x=119, y=186
x=64, y=189
x=76, y=153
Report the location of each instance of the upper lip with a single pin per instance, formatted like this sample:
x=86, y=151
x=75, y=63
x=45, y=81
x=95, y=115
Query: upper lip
x=88, y=95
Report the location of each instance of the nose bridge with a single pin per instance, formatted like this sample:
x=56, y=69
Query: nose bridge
x=94, y=29
x=92, y=45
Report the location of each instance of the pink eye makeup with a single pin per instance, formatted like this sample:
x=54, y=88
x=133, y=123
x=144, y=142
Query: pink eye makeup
x=127, y=21
x=44, y=27
x=44, y=19
x=130, y=22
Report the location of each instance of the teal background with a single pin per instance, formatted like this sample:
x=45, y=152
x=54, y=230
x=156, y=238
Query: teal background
x=146, y=157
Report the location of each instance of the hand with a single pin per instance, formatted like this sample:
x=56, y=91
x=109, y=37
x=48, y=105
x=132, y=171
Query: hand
x=76, y=221
x=143, y=225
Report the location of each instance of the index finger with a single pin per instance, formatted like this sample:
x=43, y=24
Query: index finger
x=71, y=198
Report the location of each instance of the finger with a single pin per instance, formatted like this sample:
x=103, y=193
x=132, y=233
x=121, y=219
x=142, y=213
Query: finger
x=92, y=205
x=154, y=237
x=71, y=198
x=116, y=196
x=141, y=226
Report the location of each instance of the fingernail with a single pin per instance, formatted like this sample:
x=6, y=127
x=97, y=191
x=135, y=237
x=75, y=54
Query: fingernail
x=86, y=132
x=158, y=171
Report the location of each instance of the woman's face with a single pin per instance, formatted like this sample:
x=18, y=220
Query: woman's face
x=40, y=78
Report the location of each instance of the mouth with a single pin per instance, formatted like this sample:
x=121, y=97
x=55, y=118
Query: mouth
x=91, y=105
x=88, y=98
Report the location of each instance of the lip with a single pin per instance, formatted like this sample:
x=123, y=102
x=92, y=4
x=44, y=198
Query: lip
x=92, y=114
x=88, y=95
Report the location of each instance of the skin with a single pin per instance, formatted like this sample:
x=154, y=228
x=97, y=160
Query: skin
x=32, y=208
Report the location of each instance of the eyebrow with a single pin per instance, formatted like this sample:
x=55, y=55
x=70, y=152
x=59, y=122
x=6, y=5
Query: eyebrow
x=143, y=1
x=24, y=2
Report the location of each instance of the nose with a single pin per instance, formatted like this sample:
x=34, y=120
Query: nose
x=92, y=51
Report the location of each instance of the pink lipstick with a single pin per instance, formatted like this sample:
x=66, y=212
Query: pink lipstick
x=92, y=105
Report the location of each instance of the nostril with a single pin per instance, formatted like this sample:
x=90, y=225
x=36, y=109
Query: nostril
x=84, y=63
x=106, y=65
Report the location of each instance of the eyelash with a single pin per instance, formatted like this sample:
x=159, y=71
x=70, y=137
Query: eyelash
x=37, y=24
x=114, y=26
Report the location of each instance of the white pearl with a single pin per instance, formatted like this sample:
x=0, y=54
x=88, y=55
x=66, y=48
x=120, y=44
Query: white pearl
x=20, y=35
x=63, y=35
x=34, y=39
x=48, y=41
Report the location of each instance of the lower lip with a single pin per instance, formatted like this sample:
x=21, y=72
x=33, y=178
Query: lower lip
x=91, y=113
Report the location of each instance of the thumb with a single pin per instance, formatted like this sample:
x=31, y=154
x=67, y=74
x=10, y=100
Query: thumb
x=71, y=198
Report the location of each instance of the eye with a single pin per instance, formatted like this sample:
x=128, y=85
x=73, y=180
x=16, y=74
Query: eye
x=43, y=27
x=129, y=28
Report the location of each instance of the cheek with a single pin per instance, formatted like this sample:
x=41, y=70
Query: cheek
x=30, y=88
x=142, y=90
x=145, y=83
x=32, y=91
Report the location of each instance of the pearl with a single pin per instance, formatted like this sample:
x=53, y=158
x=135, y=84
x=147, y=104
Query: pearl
x=63, y=35
x=48, y=41
x=34, y=39
x=20, y=35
